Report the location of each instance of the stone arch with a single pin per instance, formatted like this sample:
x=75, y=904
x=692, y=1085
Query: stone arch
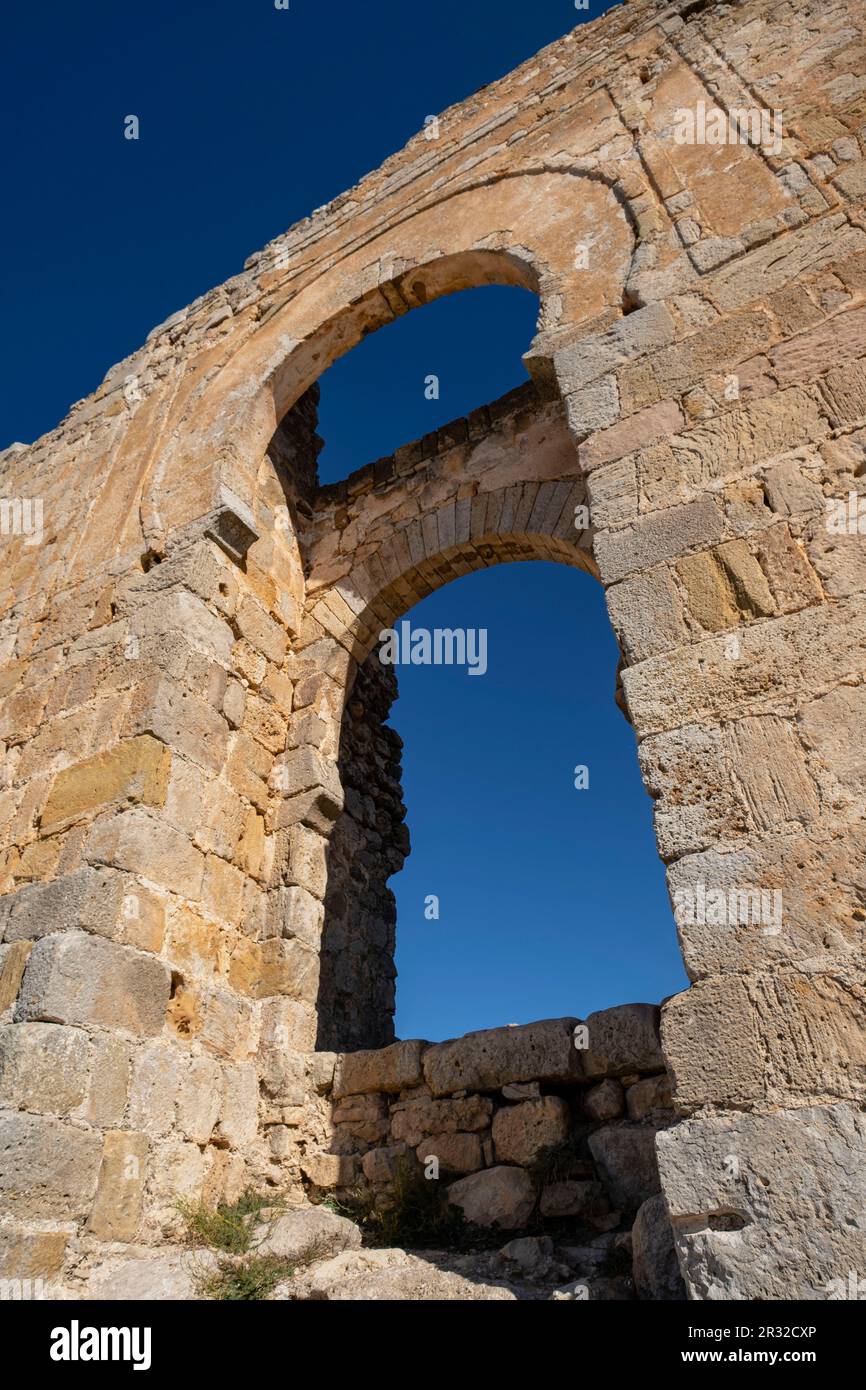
x=500, y=487
x=301, y=322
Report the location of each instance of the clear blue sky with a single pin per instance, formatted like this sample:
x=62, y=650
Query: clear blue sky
x=552, y=899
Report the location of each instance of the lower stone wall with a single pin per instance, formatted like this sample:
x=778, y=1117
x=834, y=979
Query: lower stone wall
x=545, y=1130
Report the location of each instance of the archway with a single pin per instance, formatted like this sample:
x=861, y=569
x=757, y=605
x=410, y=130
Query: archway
x=476, y=875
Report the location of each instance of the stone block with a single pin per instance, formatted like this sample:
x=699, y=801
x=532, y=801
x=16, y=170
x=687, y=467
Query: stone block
x=412, y=1120
x=32, y=1252
x=329, y=1171
x=646, y=613
x=159, y=1069
x=90, y=900
x=639, y=430
x=48, y=1169
x=488, y=1060
x=116, y=1213
x=604, y=1102
x=768, y=1207
x=13, y=960
x=389, y=1069
x=294, y=1234
x=307, y=860
x=85, y=981
x=137, y=841
x=625, y=1156
x=655, y=1265
x=199, y=1099
x=622, y=1040
x=645, y=1099
x=135, y=771
x=455, y=1153
x=239, y=1107
x=44, y=1068
x=521, y=1133
x=662, y=536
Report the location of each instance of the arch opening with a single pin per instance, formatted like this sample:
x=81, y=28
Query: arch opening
x=522, y=789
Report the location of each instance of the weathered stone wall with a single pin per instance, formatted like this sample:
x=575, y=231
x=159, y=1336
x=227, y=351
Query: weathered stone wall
x=368, y=845
x=178, y=646
x=527, y=1130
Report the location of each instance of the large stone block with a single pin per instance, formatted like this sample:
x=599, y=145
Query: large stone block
x=137, y=841
x=181, y=720
x=768, y=1207
x=159, y=1070
x=411, y=1120
x=48, y=1169
x=389, y=1069
x=770, y=1038
x=44, y=1068
x=78, y=979
x=621, y=1041
x=13, y=960
x=90, y=899
x=522, y=1132
x=491, y=1059
x=661, y=536
x=455, y=1153
x=32, y=1251
x=771, y=899
x=134, y=771
x=116, y=1213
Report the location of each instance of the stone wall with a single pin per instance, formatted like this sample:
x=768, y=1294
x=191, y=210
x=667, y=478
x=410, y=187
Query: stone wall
x=178, y=647
x=368, y=845
x=547, y=1128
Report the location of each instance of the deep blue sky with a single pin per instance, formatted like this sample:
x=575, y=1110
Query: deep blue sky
x=250, y=117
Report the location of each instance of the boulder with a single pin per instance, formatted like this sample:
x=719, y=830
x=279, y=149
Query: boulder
x=503, y=1197
x=656, y=1268
x=605, y=1101
x=296, y=1234
x=625, y=1156
x=531, y=1255
x=521, y=1132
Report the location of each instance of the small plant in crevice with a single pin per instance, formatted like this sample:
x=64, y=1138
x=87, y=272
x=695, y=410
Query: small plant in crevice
x=562, y=1162
x=242, y=1271
x=252, y=1277
x=228, y=1226
x=412, y=1214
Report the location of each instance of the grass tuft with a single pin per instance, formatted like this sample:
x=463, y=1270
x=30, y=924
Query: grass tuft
x=228, y=1226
